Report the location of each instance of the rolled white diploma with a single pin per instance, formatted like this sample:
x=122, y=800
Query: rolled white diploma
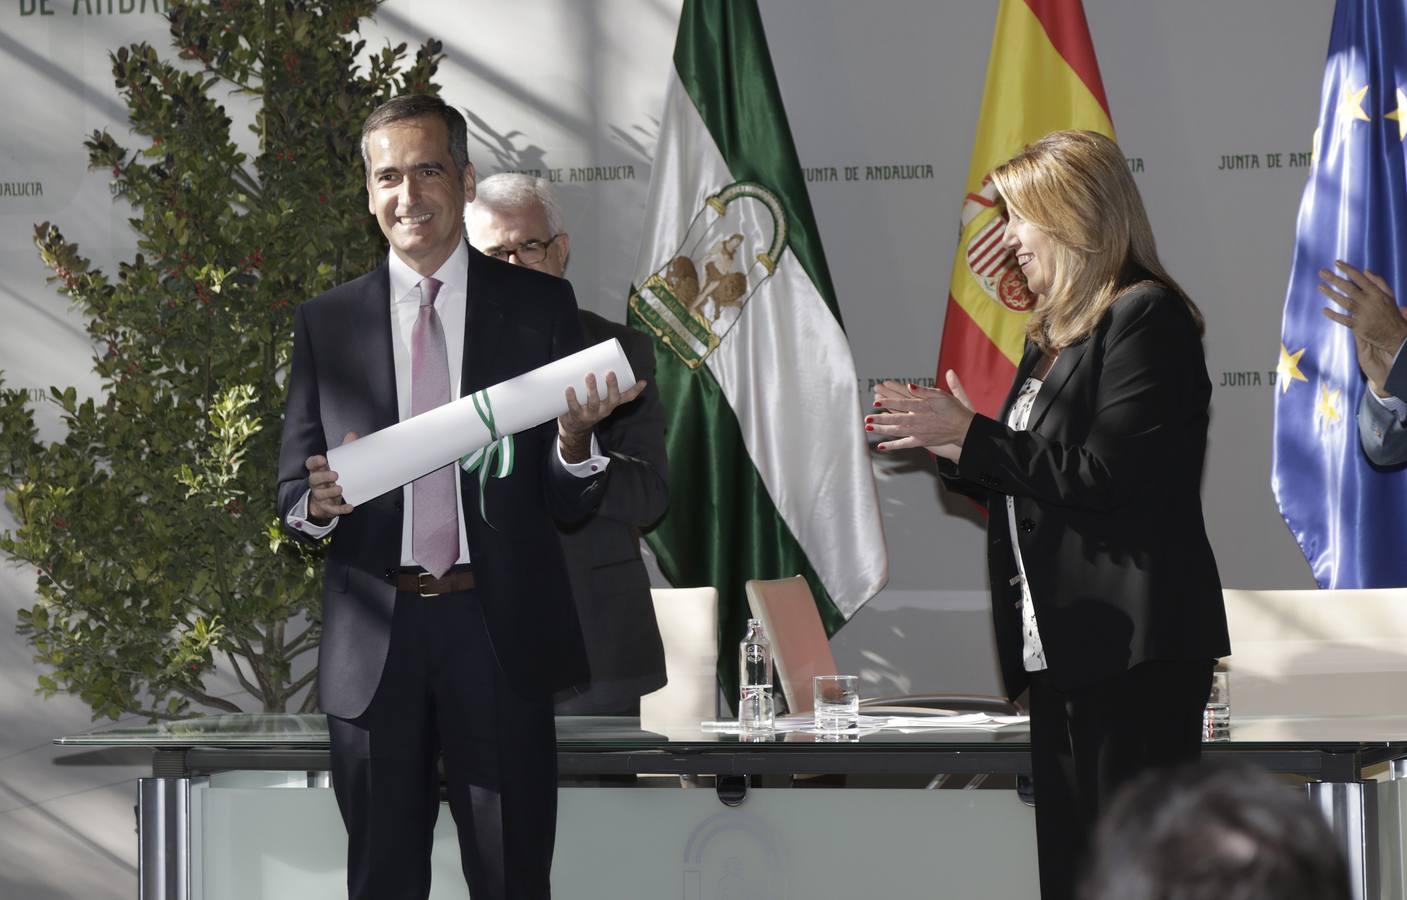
x=384, y=460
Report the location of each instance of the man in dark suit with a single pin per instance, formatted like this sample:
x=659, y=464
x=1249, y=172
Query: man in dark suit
x=445, y=628
x=1379, y=328
x=516, y=218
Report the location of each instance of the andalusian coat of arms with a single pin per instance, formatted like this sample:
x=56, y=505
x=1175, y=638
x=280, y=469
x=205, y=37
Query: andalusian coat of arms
x=731, y=248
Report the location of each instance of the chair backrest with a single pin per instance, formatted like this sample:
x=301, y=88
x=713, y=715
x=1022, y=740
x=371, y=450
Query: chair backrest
x=800, y=648
x=1317, y=653
x=688, y=619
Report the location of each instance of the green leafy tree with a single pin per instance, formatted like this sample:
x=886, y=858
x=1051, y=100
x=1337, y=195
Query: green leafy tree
x=151, y=524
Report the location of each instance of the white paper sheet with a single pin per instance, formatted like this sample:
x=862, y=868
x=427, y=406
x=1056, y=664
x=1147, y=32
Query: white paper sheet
x=904, y=724
x=963, y=722
x=386, y=459
x=785, y=724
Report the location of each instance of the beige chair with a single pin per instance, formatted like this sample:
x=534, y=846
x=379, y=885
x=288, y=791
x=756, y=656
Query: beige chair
x=800, y=650
x=688, y=619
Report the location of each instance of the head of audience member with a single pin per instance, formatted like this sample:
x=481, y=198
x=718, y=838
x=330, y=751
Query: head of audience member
x=1214, y=831
x=1079, y=232
x=516, y=218
x=418, y=177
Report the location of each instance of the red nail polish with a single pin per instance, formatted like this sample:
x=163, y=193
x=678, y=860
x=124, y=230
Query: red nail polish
x=869, y=420
x=877, y=403
x=880, y=447
x=913, y=387
x=869, y=428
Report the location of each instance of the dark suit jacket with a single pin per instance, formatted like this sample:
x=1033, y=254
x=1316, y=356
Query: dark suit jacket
x=1107, y=488
x=1383, y=437
x=609, y=581
x=343, y=379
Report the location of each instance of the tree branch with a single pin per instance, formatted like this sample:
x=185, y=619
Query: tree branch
x=207, y=699
x=303, y=682
x=299, y=651
x=298, y=639
x=239, y=674
x=310, y=702
x=245, y=181
x=265, y=689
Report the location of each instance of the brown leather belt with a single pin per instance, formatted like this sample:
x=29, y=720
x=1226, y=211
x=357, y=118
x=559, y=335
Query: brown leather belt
x=426, y=585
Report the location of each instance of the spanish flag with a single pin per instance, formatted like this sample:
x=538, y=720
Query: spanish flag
x=1041, y=77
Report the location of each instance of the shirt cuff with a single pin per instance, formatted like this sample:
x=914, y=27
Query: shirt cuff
x=592, y=465
x=1395, y=405
x=298, y=520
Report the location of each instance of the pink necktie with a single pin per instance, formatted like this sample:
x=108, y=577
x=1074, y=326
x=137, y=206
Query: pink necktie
x=435, y=529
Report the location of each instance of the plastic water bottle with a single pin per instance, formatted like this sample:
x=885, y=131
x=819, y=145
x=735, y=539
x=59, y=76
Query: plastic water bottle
x=755, y=711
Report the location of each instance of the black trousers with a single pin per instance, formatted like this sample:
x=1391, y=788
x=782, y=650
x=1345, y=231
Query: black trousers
x=442, y=693
x=1088, y=742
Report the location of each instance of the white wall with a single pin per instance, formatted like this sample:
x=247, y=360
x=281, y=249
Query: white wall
x=563, y=84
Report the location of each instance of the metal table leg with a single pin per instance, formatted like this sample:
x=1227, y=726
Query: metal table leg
x=1352, y=811
x=163, y=838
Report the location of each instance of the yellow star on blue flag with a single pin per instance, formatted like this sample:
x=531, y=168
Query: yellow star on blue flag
x=1397, y=115
x=1288, y=369
x=1327, y=407
x=1351, y=105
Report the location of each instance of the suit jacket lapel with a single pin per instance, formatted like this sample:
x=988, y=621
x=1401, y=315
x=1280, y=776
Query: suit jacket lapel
x=483, y=326
x=1056, y=379
x=374, y=331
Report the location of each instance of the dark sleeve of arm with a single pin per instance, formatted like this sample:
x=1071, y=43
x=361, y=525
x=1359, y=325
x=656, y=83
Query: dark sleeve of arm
x=1396, y=381
x=951, y=479
x=637, y=479
x=1383, y=437
x=1152, y=376
x=302, y=427
x=569, y=498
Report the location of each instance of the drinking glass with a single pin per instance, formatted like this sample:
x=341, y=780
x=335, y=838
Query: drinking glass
x=1216, y=718
x=837, y=702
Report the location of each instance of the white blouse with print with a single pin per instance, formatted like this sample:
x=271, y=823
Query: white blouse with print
x=1032, y=653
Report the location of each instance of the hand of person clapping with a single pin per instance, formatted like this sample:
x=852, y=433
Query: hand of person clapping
x=922, y=417
x=1371, y=311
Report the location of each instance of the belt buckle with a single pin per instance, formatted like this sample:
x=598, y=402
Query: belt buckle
x=420, y=585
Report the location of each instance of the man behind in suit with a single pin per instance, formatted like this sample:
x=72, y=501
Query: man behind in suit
x=1380, y=335
x=516, y=218
x=446, y=626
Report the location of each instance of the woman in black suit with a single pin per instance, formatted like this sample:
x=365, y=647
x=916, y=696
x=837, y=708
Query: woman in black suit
x=1105, y=594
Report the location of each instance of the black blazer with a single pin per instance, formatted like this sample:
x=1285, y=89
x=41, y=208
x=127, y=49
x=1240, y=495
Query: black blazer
x=609, y=580
x=1107, y=490
x=343, y=379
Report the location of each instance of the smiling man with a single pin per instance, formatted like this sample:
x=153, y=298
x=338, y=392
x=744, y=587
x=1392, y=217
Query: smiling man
x=445, y=631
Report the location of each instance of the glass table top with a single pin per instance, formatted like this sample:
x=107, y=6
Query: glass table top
x=583, y=733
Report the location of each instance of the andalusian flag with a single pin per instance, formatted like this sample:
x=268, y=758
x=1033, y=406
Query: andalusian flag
x=1041, y=77
x=769, y=472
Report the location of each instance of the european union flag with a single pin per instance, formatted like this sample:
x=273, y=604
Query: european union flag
x=1349, y=516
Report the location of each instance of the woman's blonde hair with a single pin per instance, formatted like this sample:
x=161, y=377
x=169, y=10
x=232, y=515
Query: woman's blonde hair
x=1076, y=188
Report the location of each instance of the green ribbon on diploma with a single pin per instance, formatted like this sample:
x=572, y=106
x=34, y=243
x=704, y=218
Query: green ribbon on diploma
x=494, y=460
